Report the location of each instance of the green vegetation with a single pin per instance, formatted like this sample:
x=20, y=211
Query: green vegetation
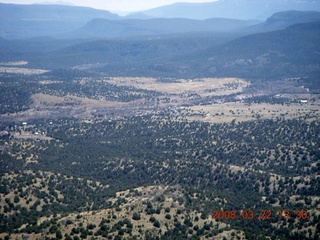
x=270, y=159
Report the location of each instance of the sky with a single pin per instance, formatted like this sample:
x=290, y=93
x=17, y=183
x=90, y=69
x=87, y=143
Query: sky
x=113, y=5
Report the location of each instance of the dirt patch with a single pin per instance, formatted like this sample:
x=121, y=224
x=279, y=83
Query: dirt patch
x=17, y=63
x=28, y=135
x=23, y=71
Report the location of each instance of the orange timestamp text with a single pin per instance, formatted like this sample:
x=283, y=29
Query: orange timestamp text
x=262, y=214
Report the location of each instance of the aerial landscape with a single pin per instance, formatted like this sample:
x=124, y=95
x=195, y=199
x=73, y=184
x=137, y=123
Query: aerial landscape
x=181, y=120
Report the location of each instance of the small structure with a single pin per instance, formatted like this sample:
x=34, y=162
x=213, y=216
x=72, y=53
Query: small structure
x=24, y=124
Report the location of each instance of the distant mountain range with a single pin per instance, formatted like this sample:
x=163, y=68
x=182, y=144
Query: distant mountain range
x=286, y=45
x=103, y=28
x=32, y=12
x=25, y=21
x=235, y=9
x=57, y=3
x=58, y=21
x=289, y=53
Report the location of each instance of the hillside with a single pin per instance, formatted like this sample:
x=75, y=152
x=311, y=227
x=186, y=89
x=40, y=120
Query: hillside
x=282, y=20
x=55, y=53
x=292, y=52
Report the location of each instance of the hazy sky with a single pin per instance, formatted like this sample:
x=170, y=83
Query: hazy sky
x=113, y=5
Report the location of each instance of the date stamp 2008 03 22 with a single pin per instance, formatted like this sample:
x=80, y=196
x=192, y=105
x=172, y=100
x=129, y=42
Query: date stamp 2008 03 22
x=262, y=215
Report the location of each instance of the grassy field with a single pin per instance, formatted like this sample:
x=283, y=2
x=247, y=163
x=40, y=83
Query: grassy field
x=239, y=111
x=213, y=100
x=178, y=91
x=202, y=86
